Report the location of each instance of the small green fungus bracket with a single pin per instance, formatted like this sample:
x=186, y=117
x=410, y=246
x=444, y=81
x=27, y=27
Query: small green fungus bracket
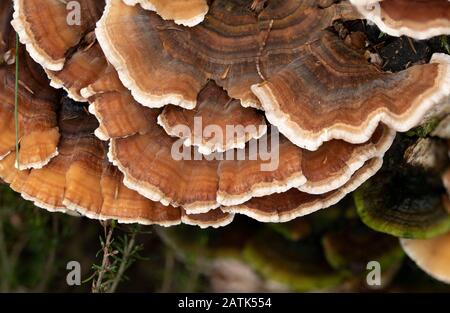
x=402, y=208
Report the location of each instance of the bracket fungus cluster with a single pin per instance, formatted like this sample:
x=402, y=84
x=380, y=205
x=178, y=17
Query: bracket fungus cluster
x=162, y=112
x=432, y=254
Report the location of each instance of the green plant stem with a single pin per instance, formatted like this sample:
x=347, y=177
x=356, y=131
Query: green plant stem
x=123, y=263
x=16, y=101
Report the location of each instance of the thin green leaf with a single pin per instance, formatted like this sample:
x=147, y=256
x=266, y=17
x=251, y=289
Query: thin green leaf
x=16, y=101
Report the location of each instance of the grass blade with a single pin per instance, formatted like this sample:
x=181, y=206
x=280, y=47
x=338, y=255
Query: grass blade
x=16, y=101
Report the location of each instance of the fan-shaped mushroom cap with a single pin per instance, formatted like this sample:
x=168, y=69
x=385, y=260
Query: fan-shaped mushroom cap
x=412, y=210
x=287, y=206
x=121, y=116
x=331, y=92
x=7, y=124
x=10, y=174
x=152, y=160
x=80, y=179
x=183, y=12
x=114, y=107
x=183, y=59
x=149, y=168
x=8, y=137
x=316, y=172
x=38, y=133
x=217, y=124
x=81, y=69
x=214, y=218
x=309, y=92
x=431, y=255
x=126, y=205
x=354, y=156
x=37, y=102
x=5, y=28
x=420, y=19
x=50, y=28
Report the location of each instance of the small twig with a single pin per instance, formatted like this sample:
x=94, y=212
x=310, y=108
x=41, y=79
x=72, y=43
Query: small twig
x=106, y=247
x=118, y=255
x=258, y=5
x=169, y=27
x=412, y=45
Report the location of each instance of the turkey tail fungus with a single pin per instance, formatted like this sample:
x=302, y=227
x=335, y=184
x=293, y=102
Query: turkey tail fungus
x=194, y=112
x=419, y=19
x=432, y=255
x=37, y=121
x=313, y=87
x=81, y=180
x=214, y=110
x=183, y=12
x=32, y=23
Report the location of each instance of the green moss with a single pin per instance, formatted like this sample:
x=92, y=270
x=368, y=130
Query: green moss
x=424, y=130
x=445, y=44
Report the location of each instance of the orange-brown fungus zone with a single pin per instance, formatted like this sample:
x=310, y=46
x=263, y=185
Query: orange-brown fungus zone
x=283, y=60
x=38, y=133
x=80, y=179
